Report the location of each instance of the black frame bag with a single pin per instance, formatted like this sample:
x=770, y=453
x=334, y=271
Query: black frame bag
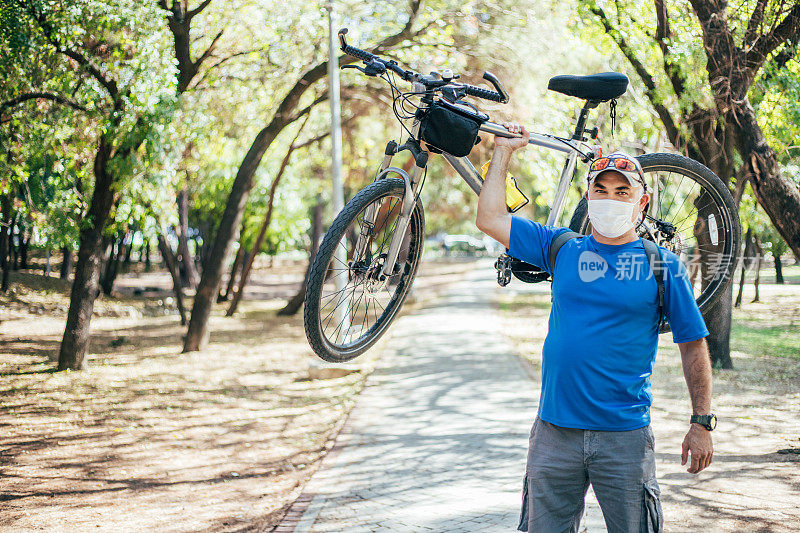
x=450, y=129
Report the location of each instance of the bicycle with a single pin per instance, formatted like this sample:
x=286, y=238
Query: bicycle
x=371, y=252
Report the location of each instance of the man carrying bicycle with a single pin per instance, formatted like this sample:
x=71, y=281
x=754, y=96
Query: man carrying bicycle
x=593, y=424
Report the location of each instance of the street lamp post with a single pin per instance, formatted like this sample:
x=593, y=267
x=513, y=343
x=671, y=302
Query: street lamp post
x=342, y=312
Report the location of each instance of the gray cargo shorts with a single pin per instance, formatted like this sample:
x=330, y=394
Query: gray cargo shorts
x=562, y=462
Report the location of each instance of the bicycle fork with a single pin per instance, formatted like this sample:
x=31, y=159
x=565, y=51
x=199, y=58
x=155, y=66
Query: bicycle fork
x=407, y=206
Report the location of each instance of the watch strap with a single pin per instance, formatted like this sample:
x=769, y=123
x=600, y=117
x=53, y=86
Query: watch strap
x=707, y=421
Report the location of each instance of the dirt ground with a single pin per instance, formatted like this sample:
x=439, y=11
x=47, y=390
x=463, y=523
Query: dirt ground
x=149, y=439
x=753, y=483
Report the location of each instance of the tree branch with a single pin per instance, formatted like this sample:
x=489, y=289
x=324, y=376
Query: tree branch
x=314, y=74
x=320, y=98
x=662, y=36
x=321, y=136
x=312, y=140
x=673, y=133
x=209, y=50
x=403, y=34
x=40, y=95
x=198, y=9
x=109, y=84
x=756, y=18
x=788, y=29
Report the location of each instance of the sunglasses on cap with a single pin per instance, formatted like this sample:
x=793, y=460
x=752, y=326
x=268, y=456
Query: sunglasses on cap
x=618, y=162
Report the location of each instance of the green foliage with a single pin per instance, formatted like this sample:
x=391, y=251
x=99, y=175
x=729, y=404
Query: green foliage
x=108, y=71
x=163, y=142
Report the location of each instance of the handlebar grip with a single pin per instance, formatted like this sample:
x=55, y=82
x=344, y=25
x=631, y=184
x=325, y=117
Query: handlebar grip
x=486, y=94
x=357, y=52
x=352, y=50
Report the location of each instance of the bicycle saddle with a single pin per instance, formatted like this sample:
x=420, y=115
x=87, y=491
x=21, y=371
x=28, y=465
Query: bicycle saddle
x=597, y=87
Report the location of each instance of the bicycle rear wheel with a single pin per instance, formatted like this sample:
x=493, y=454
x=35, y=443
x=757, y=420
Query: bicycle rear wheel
x=691, y=213
x=347, y=306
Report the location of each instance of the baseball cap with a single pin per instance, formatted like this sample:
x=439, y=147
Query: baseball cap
x=623, y=163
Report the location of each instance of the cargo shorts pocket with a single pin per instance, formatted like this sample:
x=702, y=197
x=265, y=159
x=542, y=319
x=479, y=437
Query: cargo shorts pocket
x=652, y=518
x=523, y=514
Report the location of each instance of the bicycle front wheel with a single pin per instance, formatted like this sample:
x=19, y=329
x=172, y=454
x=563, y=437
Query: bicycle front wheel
x=691, y=213
x=348, y=307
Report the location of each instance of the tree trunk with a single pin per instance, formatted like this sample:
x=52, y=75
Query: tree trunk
x=109, y=274
x=294, y=304
x=5, y=238
x=738, y=302
x=185, y=260
x=24, y=243
x=748, y=239
x=718, y=321
x=731, y=71
x=177, y=286
x=208, y=288
x=204, y=228
x=147, y=262
x=758, y=252
x=85, y=286
x=778, y=270
x=262, y=232
x=66, y=262
x=248, y=265
x=47, y=265
x=12, y=245
x=237, y=262
x=129, y=249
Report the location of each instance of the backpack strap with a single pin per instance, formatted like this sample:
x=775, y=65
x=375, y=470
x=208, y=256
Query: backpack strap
x=657, y=267
x=556, y=244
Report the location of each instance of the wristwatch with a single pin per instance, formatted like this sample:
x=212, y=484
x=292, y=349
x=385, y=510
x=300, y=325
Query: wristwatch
x=707, y=421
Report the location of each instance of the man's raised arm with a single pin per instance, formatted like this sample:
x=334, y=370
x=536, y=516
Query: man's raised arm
x=493, y=218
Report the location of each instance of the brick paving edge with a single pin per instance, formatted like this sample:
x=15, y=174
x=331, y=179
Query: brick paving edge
x=298, y=509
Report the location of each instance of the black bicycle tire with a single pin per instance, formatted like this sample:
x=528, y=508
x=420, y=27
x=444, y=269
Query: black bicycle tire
x=311, y=310
x=707, y=179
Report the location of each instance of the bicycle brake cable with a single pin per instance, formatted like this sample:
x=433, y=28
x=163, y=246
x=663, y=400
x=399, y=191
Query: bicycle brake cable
x=586, y=157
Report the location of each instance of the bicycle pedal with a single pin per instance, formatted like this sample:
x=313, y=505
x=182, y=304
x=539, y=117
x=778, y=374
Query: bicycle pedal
x=503, y=267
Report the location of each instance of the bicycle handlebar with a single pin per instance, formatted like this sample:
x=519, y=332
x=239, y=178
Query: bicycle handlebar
x=479, y=92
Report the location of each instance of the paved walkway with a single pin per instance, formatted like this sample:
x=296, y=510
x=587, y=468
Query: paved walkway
x=439, y=437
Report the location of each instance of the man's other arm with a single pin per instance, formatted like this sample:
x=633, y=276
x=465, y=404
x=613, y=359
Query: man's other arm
x=697, y=372
x=493, y=218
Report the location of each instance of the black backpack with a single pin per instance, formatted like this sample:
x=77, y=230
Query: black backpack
x=650, y=248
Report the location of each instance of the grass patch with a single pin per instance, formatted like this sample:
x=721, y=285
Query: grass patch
x=774, y=341
x=524, y=301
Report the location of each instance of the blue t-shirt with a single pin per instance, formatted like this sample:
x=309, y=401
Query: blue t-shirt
x=602, y=338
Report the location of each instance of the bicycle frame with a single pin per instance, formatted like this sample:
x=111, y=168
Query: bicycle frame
x=464, y=167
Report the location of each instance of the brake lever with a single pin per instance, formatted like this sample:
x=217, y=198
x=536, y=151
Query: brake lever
x=371, y=68
x=353, y=66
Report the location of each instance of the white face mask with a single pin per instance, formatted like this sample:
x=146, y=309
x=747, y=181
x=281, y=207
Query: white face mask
x=612, y=218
